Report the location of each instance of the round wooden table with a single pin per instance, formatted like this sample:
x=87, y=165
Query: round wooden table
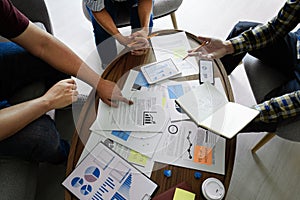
x=116, y=72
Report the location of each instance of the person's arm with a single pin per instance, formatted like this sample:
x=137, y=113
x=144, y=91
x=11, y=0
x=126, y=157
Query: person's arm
x=255, y=38
x=104, y=19
x=285, y=21
x=144, y=11
x=58, y=55
x=14, y=118
x=215, y=48
x=279, y=108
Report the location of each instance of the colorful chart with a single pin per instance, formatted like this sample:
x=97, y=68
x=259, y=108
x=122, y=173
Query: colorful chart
x=125, y=187
x=91, y=174
x=77, y=182
x=86, y=189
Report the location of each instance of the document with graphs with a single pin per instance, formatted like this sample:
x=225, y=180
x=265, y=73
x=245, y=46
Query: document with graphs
x=103, y=175
x=147, y=114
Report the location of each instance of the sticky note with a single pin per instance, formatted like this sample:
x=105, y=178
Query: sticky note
x=137, y=158
x=183, y=194
x=203, y=155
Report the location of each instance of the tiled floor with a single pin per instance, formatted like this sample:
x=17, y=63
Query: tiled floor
x=274, y=172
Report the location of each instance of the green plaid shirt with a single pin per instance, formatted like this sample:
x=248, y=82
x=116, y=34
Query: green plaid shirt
x=288, y=18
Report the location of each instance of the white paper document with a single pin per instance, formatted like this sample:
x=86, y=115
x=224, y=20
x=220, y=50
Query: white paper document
x=184, y=144
x=103, y=174
x=147, y=114
x=141, y=162
x=142, y=142
x=175, y=46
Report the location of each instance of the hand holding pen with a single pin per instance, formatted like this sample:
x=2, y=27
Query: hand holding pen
x=191, y=52
x=212, y=48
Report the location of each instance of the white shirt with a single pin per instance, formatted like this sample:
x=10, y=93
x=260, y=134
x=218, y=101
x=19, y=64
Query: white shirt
x=97, y=5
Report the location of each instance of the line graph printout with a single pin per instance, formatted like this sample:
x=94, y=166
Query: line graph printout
x=103, y=174
x=186, y=145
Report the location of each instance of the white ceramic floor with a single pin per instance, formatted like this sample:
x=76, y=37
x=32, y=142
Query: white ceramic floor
x=271, y=174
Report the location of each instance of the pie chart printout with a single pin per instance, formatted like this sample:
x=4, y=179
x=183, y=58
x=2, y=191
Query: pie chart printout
x=91, y=174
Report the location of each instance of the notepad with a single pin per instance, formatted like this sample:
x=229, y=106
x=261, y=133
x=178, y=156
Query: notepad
x=210, y=109
x=181, y=194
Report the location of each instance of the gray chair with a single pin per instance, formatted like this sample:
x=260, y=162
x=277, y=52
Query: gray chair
x=161, y=8
x=263, y=79
x=19, y=179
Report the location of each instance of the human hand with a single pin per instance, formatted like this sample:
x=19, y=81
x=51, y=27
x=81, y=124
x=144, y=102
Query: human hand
x=140, y=42
x=124, y=40
x=110, y=93
x=215, y=48
x=61, y=94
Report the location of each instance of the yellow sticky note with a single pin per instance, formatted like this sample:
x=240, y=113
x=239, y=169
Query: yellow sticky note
x=183, y=194
x=137, y=158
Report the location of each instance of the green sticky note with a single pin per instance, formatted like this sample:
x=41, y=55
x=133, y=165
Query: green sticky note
x=183, y=194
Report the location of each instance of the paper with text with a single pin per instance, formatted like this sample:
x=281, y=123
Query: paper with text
x=147, y=114
x=175, y=46
x=142, y=163
x=181, y=143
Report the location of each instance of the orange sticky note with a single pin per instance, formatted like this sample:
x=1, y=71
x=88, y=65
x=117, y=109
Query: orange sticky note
x=203, y=155
x=183, y=194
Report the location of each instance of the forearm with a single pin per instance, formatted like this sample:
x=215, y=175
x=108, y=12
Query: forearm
x=54, y=52
x=14, y=118
x=144, y=11
x=104, y=19
x=279, y=108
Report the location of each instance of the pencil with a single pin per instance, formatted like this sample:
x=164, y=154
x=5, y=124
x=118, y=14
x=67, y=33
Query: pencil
x=149, y=36
x=201, y=45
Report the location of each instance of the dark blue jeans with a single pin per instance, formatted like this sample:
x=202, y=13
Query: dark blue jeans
x=19, y=68
x=106, y=44
x=39, y=141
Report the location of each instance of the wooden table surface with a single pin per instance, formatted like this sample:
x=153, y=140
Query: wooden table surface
x=117, y=71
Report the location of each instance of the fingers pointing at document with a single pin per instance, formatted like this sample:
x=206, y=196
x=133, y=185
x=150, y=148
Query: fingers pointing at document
x=110, y=93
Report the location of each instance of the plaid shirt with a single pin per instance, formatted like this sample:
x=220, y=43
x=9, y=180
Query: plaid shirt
x=288, y=18
x=279, y=108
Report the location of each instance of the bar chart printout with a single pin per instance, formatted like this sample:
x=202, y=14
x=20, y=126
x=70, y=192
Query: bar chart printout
x=103, y=175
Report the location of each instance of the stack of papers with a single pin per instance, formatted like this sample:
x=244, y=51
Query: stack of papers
x=169, y=136
x=131, y=138
x=103, y=174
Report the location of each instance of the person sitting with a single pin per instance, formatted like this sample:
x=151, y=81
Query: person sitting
x=33, y=55
x=103, y=15
x=274, y=44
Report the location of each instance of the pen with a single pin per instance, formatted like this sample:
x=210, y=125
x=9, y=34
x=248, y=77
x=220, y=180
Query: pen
x=149, y=36
x=201, y=45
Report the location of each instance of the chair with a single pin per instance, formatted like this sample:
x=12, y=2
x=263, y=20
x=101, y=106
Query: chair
x=161, y=8
x=263, y=79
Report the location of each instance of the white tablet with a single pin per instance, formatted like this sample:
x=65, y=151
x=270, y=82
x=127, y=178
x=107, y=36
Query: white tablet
x=159, y=71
